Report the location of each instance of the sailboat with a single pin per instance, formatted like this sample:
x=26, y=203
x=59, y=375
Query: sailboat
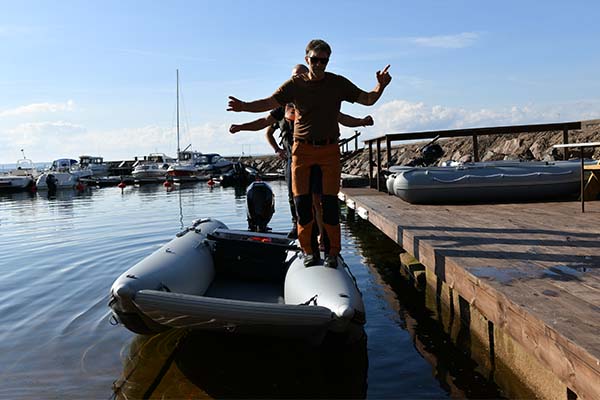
x=186, y=167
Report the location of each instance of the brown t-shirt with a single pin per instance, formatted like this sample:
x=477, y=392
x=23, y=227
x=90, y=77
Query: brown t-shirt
x=317, y=104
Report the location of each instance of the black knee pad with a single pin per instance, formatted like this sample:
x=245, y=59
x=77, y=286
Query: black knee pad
x=304, y=208
x=331, y=209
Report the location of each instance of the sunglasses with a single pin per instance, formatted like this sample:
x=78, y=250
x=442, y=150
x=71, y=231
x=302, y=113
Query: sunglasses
x=322, y=60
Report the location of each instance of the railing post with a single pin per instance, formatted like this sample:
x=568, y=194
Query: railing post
x=370, y=164
x=388, y=149
x=565, y=141
x=475, y=149
x=378, y=164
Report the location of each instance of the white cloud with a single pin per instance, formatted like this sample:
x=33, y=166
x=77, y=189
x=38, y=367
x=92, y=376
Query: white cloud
x=460, y=40
x=38, y=108
x=45, y=141
x=403, y=116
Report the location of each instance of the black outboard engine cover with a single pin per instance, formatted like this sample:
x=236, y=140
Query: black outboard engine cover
x=260, y=202
x=431, y=153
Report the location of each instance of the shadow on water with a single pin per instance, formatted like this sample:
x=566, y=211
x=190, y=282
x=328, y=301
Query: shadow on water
x=185, y=364
x=446, y=345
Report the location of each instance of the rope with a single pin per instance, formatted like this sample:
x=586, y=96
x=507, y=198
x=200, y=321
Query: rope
x=312, y=299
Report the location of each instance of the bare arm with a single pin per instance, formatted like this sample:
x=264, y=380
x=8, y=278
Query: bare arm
x=252, y=106
x=383, y=79
x=271, y=139
x=352, y=122
x=255, y=125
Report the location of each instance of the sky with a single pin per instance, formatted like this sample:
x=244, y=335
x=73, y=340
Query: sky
x=99, y=77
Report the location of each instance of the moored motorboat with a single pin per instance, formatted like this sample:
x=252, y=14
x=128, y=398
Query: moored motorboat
x=152, y=169
x=496, y=181
x=63, y=174
x=20, y=178
x=95, y=164
x=213, y=278
x=186, y=167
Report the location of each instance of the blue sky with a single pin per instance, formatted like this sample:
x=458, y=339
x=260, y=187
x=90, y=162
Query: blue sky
x=84, y=77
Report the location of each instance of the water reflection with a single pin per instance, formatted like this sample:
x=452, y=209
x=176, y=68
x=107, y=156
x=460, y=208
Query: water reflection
x=443, y=341
x=185, y=364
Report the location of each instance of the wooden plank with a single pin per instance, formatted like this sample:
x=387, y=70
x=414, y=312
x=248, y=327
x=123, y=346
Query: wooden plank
x=532, y=268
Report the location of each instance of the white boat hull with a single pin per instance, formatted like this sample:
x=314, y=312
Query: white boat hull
x=64, y=180
x=198, y=281
x=15, y=183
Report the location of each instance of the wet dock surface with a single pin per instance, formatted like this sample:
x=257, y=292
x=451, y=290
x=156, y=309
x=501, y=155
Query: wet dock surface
x=532, y=269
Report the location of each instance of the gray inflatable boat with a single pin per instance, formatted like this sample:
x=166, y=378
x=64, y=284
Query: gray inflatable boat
x=212, y=278
x=480, y=182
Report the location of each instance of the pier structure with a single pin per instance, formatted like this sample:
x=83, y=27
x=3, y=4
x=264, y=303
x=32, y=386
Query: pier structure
x=524, y=277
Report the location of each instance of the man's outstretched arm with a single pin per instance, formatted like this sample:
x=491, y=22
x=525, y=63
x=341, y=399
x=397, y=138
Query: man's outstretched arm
x=352, y=122
x=252, y=106
x=370, y=98
x=255, y=125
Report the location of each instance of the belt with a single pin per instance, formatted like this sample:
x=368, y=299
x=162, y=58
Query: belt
x=321, y=142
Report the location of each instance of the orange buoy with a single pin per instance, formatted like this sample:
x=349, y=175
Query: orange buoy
x=121, y=184
x=167, y=184
x=210, y=182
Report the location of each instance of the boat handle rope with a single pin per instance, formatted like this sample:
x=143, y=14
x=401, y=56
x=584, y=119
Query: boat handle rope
x=502, y=176
x=113, y=320
x=312, y=299
x=351, y=274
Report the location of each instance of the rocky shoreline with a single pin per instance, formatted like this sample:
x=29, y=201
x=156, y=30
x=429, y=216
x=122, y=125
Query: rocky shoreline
x=523, y=146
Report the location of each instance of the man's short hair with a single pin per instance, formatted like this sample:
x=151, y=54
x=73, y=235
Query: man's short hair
x=317, y=45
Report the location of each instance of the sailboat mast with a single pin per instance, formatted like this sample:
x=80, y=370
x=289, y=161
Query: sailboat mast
x=178, y=155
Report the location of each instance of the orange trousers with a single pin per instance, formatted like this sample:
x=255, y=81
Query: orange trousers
x=304, y=157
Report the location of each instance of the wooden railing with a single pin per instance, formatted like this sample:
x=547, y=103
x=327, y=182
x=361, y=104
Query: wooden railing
x=565, y=127
x=344, y=143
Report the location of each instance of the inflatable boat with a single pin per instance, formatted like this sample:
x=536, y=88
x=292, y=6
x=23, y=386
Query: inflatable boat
x=213, y=278
x=498, y=181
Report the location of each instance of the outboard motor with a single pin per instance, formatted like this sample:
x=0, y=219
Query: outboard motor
x=260, y=202
x=51, y=182
x=431, y=153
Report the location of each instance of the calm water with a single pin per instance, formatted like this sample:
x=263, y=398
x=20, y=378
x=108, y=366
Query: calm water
x=60, y=255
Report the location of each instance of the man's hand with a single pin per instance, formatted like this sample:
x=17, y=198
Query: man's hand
x=367, y=121
x=236, y=104
x=383, y=77
x=234, y=128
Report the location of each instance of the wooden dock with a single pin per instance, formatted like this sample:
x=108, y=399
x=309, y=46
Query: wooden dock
x=531, y=269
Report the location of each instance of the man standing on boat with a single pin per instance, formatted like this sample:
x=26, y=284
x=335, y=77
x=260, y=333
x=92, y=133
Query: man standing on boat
x=282, y=118
x=317, y=96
